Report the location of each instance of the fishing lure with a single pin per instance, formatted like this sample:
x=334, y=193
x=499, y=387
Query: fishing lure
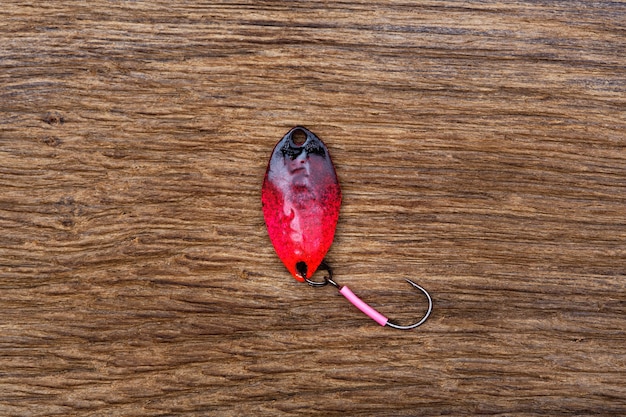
x=301, y=199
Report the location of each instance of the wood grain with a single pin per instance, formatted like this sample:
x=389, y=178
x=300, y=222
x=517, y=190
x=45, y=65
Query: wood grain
x=481, y=151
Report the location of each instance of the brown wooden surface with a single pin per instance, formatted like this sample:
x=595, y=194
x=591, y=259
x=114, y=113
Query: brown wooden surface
x=481, y=151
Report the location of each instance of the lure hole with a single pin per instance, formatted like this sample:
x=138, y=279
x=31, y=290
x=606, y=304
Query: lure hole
x=298, y=137
x=301, y=267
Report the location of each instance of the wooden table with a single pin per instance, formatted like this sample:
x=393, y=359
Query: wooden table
x=481, y=149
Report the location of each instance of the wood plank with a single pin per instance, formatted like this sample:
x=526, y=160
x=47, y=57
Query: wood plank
x=481, y=150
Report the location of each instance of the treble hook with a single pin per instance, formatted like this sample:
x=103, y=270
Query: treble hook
x=364, y=307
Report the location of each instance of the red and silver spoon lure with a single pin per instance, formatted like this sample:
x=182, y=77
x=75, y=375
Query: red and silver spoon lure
x=301, y=199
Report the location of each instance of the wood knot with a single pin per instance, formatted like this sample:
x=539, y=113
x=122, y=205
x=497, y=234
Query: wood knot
x=52, y=141
x=68, y=211
x=54, y=118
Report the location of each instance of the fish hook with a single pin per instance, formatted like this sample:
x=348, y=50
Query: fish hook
x=364, y=307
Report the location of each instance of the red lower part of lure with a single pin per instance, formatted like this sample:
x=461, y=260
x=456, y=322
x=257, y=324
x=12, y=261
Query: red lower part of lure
x=301, y=199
